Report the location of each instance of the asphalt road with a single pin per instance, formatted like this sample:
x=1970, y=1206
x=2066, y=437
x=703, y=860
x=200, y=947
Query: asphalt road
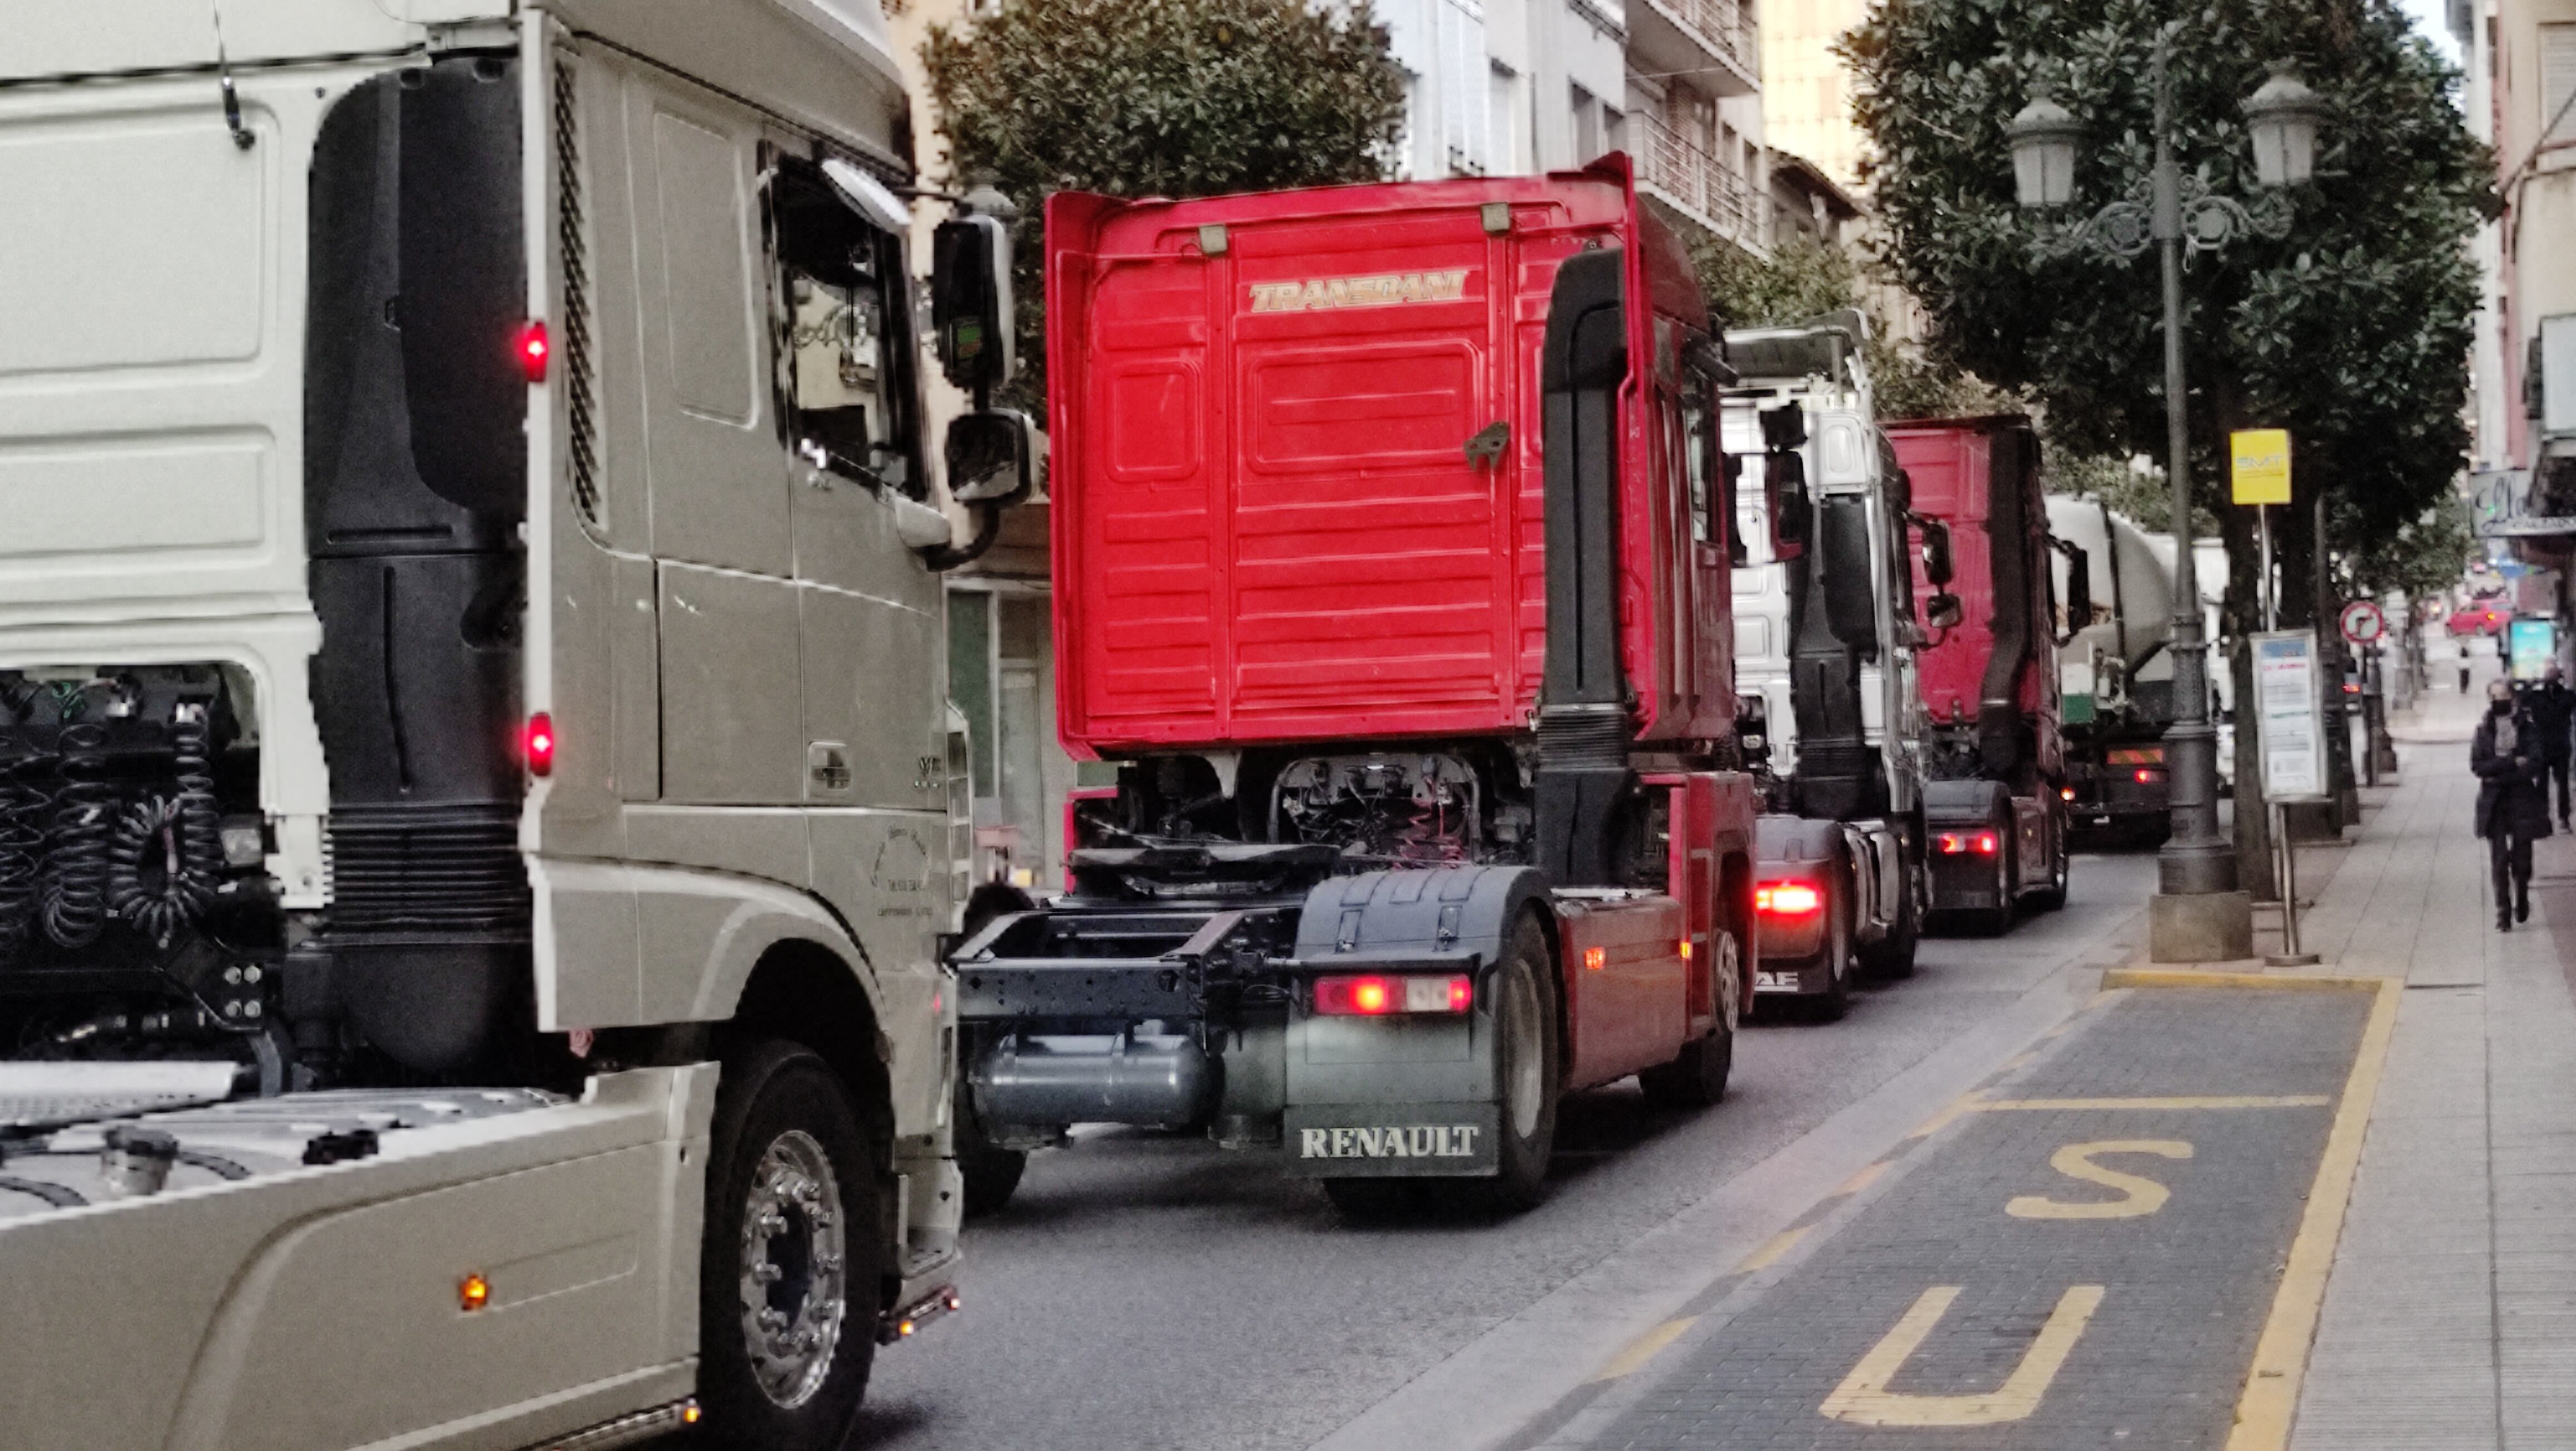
x=1151, y=1291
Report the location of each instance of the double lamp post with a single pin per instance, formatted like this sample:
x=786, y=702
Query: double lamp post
x=2198, y=913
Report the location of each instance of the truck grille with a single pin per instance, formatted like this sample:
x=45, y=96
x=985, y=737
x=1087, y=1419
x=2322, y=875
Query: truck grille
x=444, y=868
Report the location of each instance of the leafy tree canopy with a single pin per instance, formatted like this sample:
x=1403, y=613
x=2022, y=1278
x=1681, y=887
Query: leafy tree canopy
x=1176, y=98
x=2352, y=331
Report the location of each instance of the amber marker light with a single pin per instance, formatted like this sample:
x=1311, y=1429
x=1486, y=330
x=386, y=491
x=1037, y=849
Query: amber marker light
x=690, y=1413
x=473, y=1293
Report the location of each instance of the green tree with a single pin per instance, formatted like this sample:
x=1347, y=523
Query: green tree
x=1175, y=98
x=2352, y=331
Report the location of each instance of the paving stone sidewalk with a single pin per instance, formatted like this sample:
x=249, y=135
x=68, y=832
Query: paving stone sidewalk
x=2450, y=1316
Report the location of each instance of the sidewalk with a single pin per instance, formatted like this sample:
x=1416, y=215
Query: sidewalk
x=2450, y=1315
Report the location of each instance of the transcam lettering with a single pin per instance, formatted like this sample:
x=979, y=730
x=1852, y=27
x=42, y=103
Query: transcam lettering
x=1421, y=1141
x=1386, y=289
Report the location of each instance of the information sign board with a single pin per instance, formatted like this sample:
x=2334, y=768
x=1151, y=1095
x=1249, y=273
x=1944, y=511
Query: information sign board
x=2530, y=645
x=2259, y=465
x=2286, y=712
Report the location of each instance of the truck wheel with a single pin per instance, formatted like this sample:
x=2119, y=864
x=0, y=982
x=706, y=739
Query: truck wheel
x=1830, y=1005
x=1997, y=920
x=1528, y=1070
x=2053, y=896
x=992, y=1174
x=1892, y=956
x=787, y=1281
x=1697, y=1076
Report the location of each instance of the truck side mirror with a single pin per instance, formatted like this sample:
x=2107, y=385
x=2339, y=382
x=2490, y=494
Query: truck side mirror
x=989, y=454
x=970, y=301
x=1937, y=567
x=2079, y=588
x=1943, y=611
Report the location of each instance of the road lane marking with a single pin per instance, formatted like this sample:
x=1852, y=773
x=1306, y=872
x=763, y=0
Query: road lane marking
x=1772, y=1249
x=2054, y=1105
x=1862, y=1180
x=2271, y=1397
x=1644, y=1348
x=2139, y=1196
x=1864, y=1399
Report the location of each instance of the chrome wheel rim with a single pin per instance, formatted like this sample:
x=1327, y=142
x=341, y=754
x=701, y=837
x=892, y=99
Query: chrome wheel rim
x=1730, y=981
x=1523, y=1063
x=795, y=1269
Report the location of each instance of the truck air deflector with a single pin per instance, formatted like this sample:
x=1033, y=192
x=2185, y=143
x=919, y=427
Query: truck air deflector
x=1583, y=713
x=1999, y=702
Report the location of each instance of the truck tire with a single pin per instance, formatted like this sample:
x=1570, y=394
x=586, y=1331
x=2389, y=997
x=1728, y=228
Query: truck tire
x=1696, y=1078
x=2053, y=896
x=1997, y=920
x=1839, y=960
x=992, y=1174
x=1529, y=1072
x=1892, y=957
x=787, y=1280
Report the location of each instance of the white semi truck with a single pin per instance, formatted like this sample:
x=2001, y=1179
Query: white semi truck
x=474, y=771
x=1826, y=633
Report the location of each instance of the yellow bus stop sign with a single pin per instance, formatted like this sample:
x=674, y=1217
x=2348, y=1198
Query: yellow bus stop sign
x=2259, y=465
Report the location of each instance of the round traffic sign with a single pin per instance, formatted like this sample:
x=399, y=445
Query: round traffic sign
x=2362, y=622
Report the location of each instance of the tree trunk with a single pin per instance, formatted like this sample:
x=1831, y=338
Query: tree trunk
x=2243, y=615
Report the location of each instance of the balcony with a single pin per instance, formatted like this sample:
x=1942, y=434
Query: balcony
x=1683, y=175
x=1714, y=42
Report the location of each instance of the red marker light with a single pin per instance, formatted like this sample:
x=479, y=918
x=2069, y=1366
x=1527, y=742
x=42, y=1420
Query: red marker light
x=1787, y=899
x=540, y=744
x=1376, y=997
x=533, y=349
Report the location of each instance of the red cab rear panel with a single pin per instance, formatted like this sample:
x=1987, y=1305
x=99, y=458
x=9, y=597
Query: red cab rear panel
x=1952, y=464
x=1268, y=525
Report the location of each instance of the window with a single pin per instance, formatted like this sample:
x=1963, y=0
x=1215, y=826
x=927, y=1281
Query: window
x=1587, y=126
x=1502, y=120
x=842, y=300
x=2558, y=81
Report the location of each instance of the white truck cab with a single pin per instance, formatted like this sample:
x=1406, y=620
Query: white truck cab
x=474, y=764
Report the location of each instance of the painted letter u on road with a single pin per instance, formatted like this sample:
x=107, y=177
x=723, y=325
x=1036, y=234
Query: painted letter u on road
x=1864, y=1399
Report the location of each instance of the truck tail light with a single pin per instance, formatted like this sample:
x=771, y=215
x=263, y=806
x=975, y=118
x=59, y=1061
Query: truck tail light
x=1787, y=899
x=533, y=347
x=1962, y=843
x=539, y=742
x=2146, y=775
x=1374, y=997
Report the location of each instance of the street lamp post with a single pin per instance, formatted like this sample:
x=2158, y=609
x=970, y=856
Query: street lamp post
x=2198, y=915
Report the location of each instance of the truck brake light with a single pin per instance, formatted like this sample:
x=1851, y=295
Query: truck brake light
x=539, y=740
x=1787, y=899
x=533, y=347
x=1372, y=997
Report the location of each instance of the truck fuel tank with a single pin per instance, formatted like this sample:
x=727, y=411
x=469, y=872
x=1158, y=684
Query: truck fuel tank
x=1050, y=1080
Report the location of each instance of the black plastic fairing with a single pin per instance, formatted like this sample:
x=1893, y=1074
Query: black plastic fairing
x=2000, y=728
x=1583, y=728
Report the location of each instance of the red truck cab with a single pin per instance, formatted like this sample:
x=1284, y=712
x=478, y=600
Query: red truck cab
x=1994, y=761
x=1390, y=565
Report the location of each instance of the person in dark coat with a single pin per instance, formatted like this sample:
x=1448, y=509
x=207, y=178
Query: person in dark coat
x=2553, y=710
x=2513, y=798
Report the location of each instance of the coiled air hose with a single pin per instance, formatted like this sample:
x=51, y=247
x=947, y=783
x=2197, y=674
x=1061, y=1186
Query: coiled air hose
x=22, y=845
x=76, y=871
x=167, y=854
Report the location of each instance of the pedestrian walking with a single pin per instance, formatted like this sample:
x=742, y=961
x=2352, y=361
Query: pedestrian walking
x=2513, y=799
x=2553, y=712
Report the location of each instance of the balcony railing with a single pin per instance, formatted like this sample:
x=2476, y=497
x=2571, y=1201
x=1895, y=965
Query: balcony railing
x=1694, y=180
x=1727, y=26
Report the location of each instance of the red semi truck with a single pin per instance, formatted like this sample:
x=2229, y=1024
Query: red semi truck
x=1994, y=798
x=1391, y=569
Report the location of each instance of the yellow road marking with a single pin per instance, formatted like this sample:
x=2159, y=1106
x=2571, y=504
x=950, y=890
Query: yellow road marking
x=2139, y=1195
x=1864, y=1399
x=1863, y=1179
x=2271, y=1398
x=1939, y=1121
x=2186, y=977
x=1772, y=1249
x=2044, y=1105
x=1644, y=1348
